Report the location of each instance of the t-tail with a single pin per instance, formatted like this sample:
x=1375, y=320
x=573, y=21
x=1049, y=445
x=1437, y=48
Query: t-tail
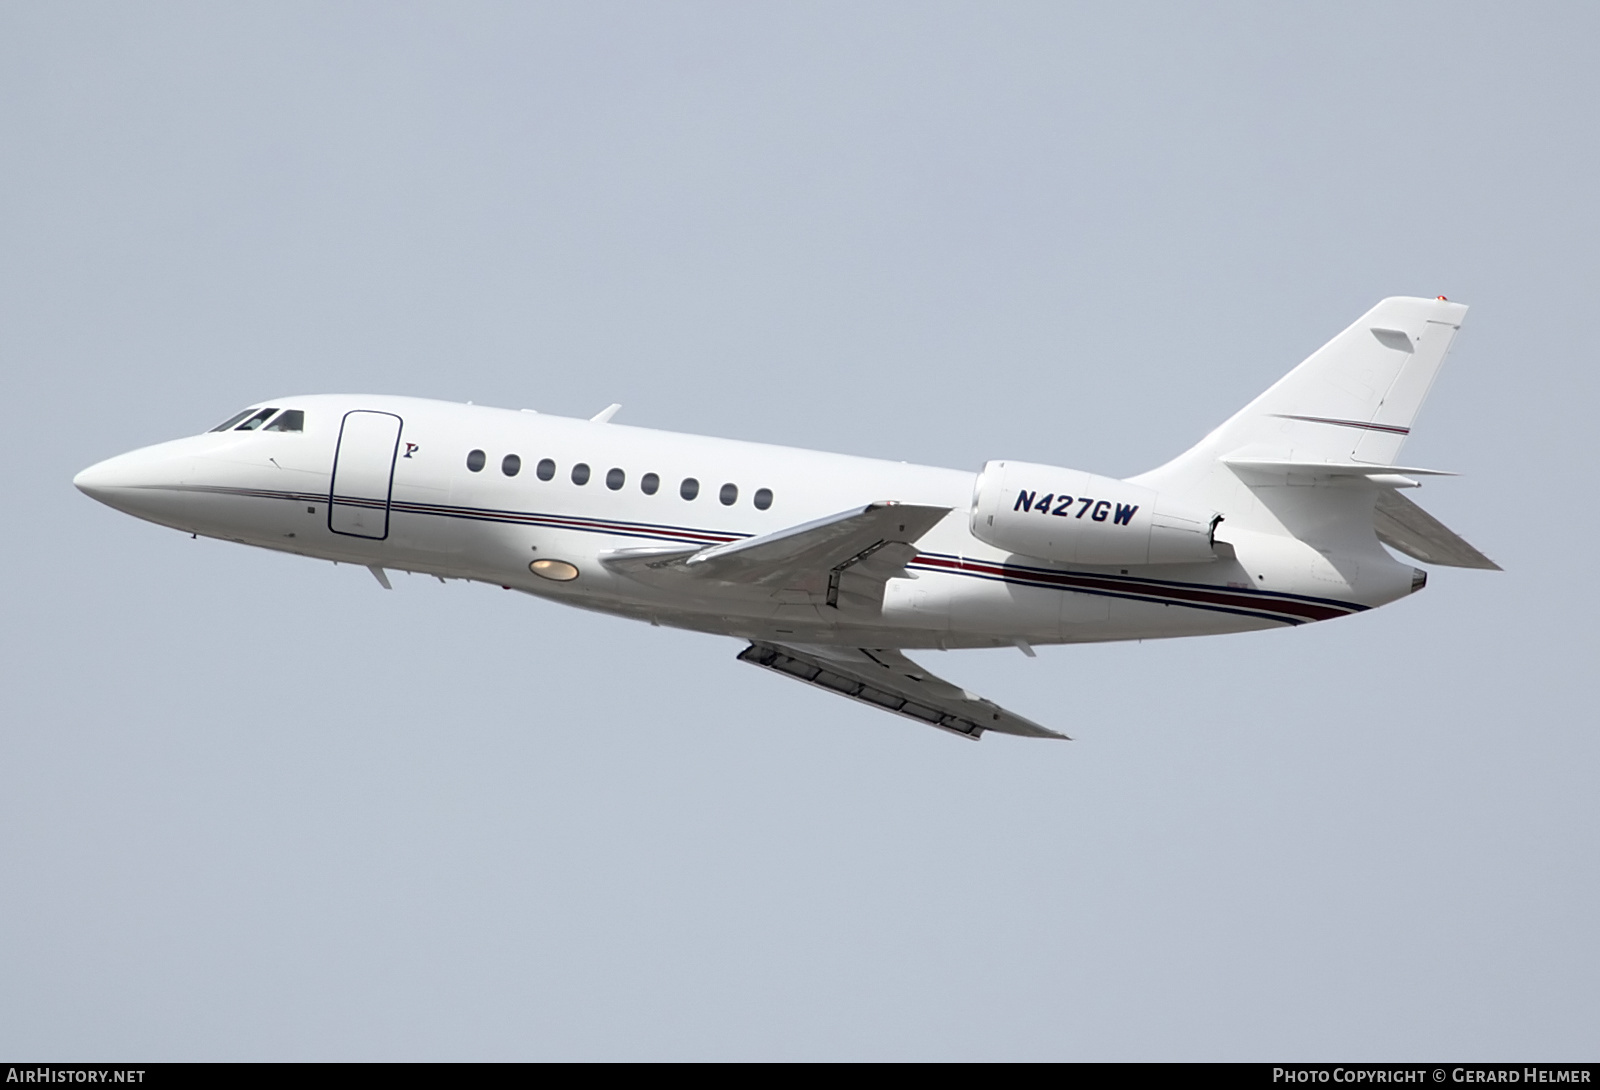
x=1316, y=457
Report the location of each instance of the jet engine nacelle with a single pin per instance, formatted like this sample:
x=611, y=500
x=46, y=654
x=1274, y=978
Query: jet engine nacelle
x=1072, y=516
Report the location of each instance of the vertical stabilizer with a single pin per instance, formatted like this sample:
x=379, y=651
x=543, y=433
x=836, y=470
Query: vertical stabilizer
x=1354, y=400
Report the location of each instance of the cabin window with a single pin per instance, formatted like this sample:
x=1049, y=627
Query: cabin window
x=288, y=420
x=729, y=495
x=256, y=421
x=511, y=465
x=232, y=420
x=475, y=460
x=763, y=498
x=689, y=489
x=546, y=469
x=649, y=483
x=615, y=479
x=580, y=473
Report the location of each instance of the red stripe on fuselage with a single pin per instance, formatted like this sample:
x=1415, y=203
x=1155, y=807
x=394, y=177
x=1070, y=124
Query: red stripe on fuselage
x=1293, y=610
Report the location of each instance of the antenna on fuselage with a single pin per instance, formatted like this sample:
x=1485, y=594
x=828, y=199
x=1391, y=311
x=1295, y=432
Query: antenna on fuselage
x=604, y=415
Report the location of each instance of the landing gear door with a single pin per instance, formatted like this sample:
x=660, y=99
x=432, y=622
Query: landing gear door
x=363, y=474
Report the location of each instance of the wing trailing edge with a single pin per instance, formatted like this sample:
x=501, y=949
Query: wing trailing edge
x=887, y=679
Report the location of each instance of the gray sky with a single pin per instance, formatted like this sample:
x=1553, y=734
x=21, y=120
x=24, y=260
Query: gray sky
x=256, y=808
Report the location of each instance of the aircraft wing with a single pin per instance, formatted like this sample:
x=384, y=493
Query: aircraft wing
x=842, y=560
x=1403, y=525
x=887, y=679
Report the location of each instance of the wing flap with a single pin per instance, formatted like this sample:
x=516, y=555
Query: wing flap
x=1404, y=526
x=887, y=679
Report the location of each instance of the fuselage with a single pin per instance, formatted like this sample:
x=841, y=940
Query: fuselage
x=477, y=493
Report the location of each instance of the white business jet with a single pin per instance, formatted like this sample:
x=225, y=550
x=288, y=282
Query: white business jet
x=832, y=565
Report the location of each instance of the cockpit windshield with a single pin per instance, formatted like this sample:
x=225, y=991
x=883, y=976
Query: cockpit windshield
x=289, y=420
x=256, y=421
x=251, y=419
x=232, y=420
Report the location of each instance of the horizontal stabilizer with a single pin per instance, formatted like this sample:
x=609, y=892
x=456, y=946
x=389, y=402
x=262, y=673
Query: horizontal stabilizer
x=1252, y=469
x=1404, y=526
x=888, y=680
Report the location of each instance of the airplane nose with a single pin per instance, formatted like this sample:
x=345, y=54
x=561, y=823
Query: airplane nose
x=139, y=482
x=104, y=479
x=96, y=481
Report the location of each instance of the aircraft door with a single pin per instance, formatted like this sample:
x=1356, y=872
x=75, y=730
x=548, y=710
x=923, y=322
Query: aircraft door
x=363, y=474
